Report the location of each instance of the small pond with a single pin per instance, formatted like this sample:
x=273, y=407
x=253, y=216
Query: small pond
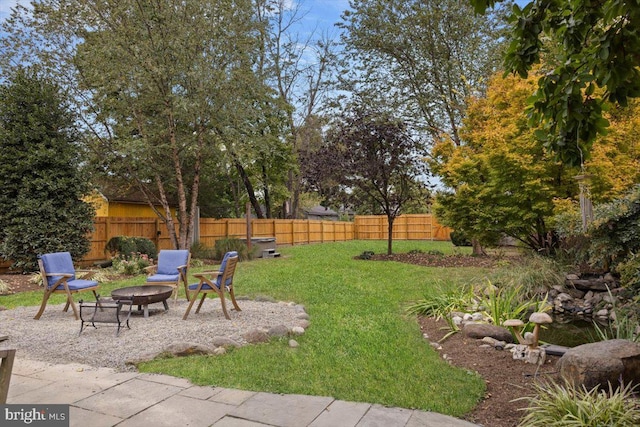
x=570, y=331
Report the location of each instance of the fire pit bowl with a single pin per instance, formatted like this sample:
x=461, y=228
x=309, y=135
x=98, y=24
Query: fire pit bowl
x=142, y=296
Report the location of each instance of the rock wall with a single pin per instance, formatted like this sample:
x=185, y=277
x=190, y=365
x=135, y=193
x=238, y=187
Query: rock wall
x=587, y=296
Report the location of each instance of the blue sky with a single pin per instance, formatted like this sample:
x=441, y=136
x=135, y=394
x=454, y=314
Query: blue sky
x=6, y=5
x=324, y=12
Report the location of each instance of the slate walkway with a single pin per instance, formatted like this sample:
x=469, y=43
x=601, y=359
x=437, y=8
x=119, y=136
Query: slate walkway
x=102, y=397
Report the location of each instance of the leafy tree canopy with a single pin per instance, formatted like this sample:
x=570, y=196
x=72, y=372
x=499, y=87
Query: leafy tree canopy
x=369, y=160
x=506, y=183
x=599, y=48
x=423, y=59
x=41, y=207
x=163, y=89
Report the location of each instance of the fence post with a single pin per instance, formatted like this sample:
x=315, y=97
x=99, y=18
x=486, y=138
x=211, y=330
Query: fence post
x=107, y=230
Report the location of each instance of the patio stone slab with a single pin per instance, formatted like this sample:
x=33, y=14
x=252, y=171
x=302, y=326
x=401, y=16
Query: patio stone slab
x=79, y=417
x=103, y=397
x=179, y=411
x=100, y=378
x=28, y=367
x=267, y=408
x=166, y=379
x=421, y=419
x=341, y=413
x=61, y=392
x=128, y=398
x=19, y=386
x=238, y=422
x=231, y=396
x=380, y=416
x=200, y=392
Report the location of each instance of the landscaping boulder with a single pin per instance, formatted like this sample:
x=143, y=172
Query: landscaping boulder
x=178, y=349
x=181, y=349
x=278, y=331
x=256, y=336
x=600, y=363
x=481, y=330
x=220, y=341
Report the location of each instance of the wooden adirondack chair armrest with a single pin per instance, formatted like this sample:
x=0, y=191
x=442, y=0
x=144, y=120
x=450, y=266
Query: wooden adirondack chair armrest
x=62, y=278
x=206, y=274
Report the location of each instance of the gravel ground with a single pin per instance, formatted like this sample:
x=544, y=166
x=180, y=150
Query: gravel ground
x=55, y=337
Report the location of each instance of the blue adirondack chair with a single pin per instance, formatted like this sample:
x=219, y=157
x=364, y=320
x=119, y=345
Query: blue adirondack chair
x=171, y=269
x=59, y=277
x=220, y=281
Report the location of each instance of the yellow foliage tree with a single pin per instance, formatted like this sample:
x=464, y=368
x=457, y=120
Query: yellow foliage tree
x=614, y=163
x=503, y=181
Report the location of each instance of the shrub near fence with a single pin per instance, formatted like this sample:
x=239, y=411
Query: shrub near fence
x=286, y=231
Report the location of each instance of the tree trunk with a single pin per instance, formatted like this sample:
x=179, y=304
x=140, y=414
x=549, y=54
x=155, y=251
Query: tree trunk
x=267, y=195
x=195, y=189
x=390, y=220
x=167, y=217
x=478, y=250
x=249, y=187
x=183, y=214
x=293, y=185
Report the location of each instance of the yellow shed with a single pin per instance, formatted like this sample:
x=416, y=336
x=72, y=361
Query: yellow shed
x=131, y=204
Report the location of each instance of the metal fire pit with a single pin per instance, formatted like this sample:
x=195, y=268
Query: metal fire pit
x=142, y=296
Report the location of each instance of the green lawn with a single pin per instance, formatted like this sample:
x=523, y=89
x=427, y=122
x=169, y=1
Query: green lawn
x=361, y=345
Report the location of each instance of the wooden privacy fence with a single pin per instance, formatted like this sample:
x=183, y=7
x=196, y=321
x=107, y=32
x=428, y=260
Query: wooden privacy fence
x=405, y=227
x=286, y=232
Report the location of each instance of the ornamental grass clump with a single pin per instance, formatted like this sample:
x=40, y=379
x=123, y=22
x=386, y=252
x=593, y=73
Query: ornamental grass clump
x=623, y=326
x=571, y=406
x=504, y=303
x=534, y=276
x=442, y=303
x=4, y=288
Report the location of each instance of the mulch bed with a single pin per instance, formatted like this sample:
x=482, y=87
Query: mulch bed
x=506, y=379
x=430, y=260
